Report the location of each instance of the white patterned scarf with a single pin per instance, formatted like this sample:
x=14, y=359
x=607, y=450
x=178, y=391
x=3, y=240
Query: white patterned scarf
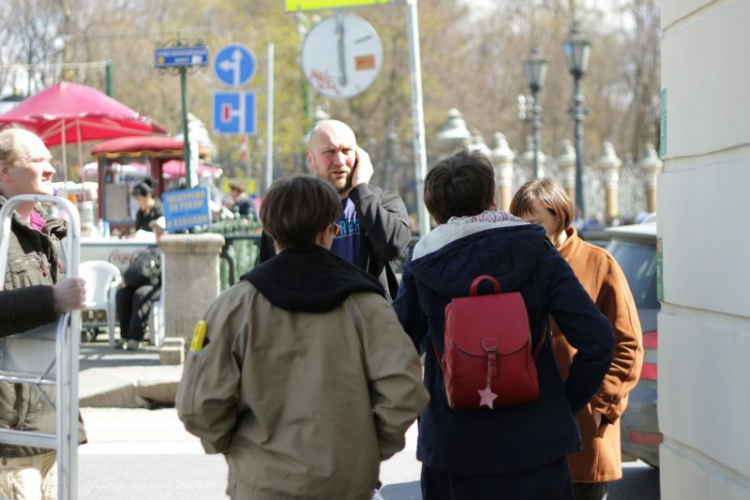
x=459, y=227
x=486, y=216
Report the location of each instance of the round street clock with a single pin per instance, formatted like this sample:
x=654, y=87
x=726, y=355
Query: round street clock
x=342, y=55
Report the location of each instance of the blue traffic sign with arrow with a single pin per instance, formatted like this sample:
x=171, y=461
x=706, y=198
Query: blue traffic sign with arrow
x=234, y=65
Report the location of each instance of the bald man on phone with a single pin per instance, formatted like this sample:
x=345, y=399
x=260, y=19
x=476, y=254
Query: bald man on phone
x=374, y=223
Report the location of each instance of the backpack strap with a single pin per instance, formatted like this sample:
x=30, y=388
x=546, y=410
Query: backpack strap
x=543, y=339
x=437, y=354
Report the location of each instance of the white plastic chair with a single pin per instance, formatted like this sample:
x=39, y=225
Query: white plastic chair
x=102, y=279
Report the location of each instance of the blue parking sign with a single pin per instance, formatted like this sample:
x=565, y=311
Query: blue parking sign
x=234, y=113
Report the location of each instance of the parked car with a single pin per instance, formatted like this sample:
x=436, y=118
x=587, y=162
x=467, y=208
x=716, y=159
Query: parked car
x=634, y=248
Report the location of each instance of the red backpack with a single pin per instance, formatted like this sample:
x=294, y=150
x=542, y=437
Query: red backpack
x=487, y=359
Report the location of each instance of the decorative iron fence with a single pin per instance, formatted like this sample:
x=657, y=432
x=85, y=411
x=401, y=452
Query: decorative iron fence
x=240, y=251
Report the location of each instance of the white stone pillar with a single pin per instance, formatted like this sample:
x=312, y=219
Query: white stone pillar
x=191, y=280
x=453, y=133
x=502, y=157
x=704, y=322
x=610, y=165
x=651, y=165
x=476, y=143
x=567, y=163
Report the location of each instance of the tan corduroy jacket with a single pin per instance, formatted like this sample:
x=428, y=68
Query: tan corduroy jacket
x=601, y=276
x=303, y=405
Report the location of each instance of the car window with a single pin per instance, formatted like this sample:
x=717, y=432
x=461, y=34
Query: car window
x=638, y=262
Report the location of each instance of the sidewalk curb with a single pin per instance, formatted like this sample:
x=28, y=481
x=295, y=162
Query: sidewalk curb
x=128, y=386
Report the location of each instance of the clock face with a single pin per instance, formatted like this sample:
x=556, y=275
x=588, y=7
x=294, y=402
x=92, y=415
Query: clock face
x=342, y=56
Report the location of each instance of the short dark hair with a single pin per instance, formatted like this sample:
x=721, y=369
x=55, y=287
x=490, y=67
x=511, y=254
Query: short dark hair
x=460, y=185
x=295, y=210
x=144, y=188
x=237, y=186
x=548, y=194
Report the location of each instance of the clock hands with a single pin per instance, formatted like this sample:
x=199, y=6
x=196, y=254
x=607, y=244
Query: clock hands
x=342, y=53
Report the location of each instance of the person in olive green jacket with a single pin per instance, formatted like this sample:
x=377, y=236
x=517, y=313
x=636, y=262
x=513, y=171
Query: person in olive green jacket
x=33, y=273
x=305, y=380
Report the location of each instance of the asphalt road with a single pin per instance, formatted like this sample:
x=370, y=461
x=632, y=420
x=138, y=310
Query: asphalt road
x=147, y=455
x=640, y=481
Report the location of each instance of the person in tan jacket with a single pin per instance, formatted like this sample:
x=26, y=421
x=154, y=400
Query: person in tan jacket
x=305, y=379
x=544, y=202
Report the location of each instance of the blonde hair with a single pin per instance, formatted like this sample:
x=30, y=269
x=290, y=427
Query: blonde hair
x=10, y=140
x=550, y=195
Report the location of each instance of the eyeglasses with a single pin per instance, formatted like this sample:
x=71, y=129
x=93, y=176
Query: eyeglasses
x=336, y=229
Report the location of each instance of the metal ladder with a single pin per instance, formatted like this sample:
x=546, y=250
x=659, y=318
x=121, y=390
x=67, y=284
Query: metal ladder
x=29, y=357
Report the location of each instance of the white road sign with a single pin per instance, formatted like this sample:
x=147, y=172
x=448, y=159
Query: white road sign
x=342, y=55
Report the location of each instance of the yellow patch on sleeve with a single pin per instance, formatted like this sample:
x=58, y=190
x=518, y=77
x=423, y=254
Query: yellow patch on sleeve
x=199, y=336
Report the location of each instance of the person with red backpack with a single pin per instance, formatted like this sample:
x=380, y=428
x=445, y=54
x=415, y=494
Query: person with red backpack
x=501, y=420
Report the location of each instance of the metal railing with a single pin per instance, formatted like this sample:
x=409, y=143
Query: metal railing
x=242, y=249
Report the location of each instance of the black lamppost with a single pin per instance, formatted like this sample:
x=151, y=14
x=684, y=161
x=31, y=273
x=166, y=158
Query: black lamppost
x=576, y=49
x=535, y=68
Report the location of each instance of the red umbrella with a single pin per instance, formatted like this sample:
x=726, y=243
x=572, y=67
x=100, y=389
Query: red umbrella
x=70, y=112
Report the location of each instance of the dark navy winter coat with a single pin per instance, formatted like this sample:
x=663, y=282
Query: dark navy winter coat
x=518, y=438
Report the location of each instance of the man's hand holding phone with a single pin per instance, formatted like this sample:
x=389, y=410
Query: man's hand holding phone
x=362, y=170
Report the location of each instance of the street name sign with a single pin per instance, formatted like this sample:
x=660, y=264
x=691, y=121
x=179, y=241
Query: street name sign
x=300, y=5
x=234, y=113
x=174, y=57
x=186, y=208
x=234, y=65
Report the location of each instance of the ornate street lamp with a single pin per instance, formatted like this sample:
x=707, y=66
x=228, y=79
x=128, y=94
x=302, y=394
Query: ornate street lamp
x=535, y=68
x=576, y=49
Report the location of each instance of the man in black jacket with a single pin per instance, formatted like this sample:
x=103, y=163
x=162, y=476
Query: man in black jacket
x=374, y=223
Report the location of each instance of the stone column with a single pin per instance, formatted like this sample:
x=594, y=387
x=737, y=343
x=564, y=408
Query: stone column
x=502, y=156
x=651, y=165
x=452, y=134
x=191, y=280
x=610, y=165
x=567, y=163
x=476, y=143
x=528, y=159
